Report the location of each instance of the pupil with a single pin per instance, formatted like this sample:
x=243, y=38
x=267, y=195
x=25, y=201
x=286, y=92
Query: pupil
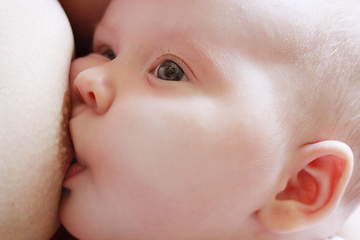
x=172, y=71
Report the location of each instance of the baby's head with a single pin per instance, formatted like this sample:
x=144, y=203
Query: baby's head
x=204, y=119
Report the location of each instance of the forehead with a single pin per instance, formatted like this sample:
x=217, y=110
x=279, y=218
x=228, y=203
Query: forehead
x=272, y=31
x=256, y=25
x=185, y=19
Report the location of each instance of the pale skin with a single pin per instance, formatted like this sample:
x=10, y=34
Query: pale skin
x=36, y=46
x=35, y=223
x=350, y=230
x=191, y=158
x=34, y=144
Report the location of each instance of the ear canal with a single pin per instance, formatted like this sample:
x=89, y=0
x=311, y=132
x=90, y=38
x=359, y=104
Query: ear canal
x=313, y=193
x=316, y=183
x=303, y=188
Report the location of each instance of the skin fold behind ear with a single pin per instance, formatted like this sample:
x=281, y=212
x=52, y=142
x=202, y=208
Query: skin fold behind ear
x=314, y=190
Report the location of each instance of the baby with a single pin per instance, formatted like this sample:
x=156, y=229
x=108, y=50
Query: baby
x=225, y=120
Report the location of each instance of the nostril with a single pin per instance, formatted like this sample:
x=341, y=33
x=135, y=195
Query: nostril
x=92, y=96
x=93, y=91
x=92, y=101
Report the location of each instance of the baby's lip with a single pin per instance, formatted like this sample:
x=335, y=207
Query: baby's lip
x=78, y=160
x=74, y=169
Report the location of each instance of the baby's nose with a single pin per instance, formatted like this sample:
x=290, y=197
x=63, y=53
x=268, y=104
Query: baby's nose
x=93, y=87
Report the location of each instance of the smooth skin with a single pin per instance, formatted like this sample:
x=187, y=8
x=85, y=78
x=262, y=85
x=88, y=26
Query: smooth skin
x=208, y=156
x=36, y=47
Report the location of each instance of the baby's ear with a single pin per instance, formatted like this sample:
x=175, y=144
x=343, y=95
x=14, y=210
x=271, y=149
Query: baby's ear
x=313, y=191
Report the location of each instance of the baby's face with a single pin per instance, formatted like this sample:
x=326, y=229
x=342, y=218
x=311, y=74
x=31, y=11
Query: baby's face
x=176, y=121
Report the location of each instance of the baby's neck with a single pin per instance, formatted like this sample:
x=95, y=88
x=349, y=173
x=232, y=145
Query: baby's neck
x=351, y=231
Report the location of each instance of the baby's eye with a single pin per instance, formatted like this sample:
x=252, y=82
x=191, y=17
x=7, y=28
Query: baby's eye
x=109, y=54
x=170, y=71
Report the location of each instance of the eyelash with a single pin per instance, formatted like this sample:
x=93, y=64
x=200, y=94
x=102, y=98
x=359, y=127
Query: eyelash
x=110, y=52
x=167, y=55
x=170, y=71
x=164, y=56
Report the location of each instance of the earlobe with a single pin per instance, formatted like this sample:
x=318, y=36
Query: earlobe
x=320, y=176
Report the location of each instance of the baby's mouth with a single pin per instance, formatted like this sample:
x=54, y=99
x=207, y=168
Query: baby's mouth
x=74, y=169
